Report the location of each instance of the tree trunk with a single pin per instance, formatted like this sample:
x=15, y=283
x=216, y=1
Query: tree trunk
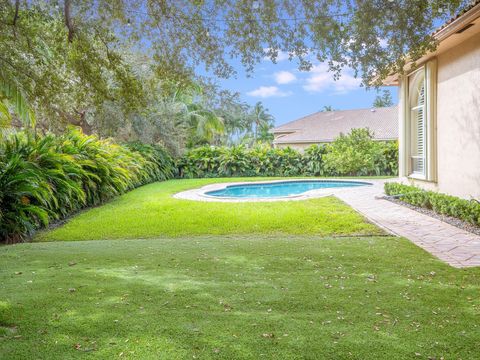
x=68, y=21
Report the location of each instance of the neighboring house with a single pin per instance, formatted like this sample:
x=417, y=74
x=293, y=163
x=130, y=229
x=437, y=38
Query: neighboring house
x=439, y=111
x=325, y=126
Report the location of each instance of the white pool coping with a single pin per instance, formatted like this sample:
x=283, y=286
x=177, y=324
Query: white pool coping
x=199, y=194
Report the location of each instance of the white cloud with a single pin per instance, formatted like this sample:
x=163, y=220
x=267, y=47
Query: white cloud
x=268, y=91
x=284, y=77
x=321, y=79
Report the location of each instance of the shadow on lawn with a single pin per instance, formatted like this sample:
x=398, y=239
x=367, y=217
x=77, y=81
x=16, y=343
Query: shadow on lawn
x=236, y=298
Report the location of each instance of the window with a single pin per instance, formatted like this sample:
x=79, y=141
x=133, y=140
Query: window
x=418, y=123
x=418, y=154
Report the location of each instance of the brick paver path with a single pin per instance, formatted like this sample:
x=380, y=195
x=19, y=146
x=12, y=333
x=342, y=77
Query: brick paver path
x=457, y=247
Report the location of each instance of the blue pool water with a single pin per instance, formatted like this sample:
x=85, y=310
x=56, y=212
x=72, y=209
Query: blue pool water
x=279, y=189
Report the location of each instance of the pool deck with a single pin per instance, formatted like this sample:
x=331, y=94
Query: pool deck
x=455, y=246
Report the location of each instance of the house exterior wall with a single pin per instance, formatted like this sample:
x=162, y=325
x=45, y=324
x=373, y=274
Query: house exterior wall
x=457, y=132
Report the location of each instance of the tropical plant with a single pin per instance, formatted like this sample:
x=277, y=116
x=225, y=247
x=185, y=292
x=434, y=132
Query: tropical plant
x=45, y=178
x=313, y=160
x=233, y=161
x=261, y=119
x=13, y=100
x=204, y=125
x=327, y=108
x=25, y=196
x=379, y=158
x=203, y=161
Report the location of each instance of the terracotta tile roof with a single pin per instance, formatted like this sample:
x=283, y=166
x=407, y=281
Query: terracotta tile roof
x=456, y=16
x=326, y=126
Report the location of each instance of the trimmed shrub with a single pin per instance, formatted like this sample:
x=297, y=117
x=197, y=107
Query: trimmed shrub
x=466, y=210
x=357, y=154
x=354, y=154
x=45, y=178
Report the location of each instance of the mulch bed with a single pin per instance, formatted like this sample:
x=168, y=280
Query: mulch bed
x=448, y=219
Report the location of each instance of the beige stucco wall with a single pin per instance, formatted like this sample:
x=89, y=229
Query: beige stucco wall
x=458, y=121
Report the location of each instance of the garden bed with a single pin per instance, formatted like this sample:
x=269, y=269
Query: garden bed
x=448, y=219
x=462, y=213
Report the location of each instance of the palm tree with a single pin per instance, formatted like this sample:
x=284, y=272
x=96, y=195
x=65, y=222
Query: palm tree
x=264, y=135
x=261, y=118
x=13, y=99
x=327, y=108
x=204, y=124
x=194, y=123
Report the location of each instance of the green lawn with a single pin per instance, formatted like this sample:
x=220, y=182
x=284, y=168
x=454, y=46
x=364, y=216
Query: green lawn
x=234, y=297
x=231, y=281
x=150, y=211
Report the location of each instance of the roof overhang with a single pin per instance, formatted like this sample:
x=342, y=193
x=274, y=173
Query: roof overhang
x=449, y=36
x=287, y=131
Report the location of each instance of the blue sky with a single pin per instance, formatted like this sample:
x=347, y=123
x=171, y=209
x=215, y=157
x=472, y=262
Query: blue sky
x=290, y=94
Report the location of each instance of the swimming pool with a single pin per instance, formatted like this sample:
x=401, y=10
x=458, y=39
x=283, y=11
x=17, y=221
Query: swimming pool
x=279, y=188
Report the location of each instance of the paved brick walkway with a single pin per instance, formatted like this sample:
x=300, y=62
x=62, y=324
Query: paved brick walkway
x=457, y=247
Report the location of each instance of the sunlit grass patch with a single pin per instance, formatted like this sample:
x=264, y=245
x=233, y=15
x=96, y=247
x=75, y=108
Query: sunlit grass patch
x=151, y=211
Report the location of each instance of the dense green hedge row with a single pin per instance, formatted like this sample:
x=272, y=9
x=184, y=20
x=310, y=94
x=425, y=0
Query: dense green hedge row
x=44, y=178
x=355, y=154
x=467, y=210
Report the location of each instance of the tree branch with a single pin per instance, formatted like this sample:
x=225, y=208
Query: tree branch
x=68, y=21
x=15, y=18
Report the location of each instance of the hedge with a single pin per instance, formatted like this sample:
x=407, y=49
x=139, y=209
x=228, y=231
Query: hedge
x=355, y=154
x=466, y=210
x=45, y=178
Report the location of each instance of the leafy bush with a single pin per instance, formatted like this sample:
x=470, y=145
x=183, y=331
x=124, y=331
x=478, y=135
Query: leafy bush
x=353, y=154
x=313, y=160
x=233, y=161
x=467, y=210
x=209, y=161
x=389, y=163
x=356, y=154
x=49, y=177
x=200, y=162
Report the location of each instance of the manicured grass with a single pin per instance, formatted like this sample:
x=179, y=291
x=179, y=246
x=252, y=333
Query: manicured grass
x=231, y=281
x=150, y=211
x=248, y=297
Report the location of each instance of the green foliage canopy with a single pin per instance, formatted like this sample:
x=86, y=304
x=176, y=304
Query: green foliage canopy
x=48, y=46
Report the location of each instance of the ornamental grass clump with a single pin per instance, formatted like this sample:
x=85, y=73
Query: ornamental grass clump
x=45, y=178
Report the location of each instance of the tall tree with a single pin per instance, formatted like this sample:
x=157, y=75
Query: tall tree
x=61, y=71
x=370, y=36
x=383, y=100
x=261, y=119
x=327, y=108
x=65, y=57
